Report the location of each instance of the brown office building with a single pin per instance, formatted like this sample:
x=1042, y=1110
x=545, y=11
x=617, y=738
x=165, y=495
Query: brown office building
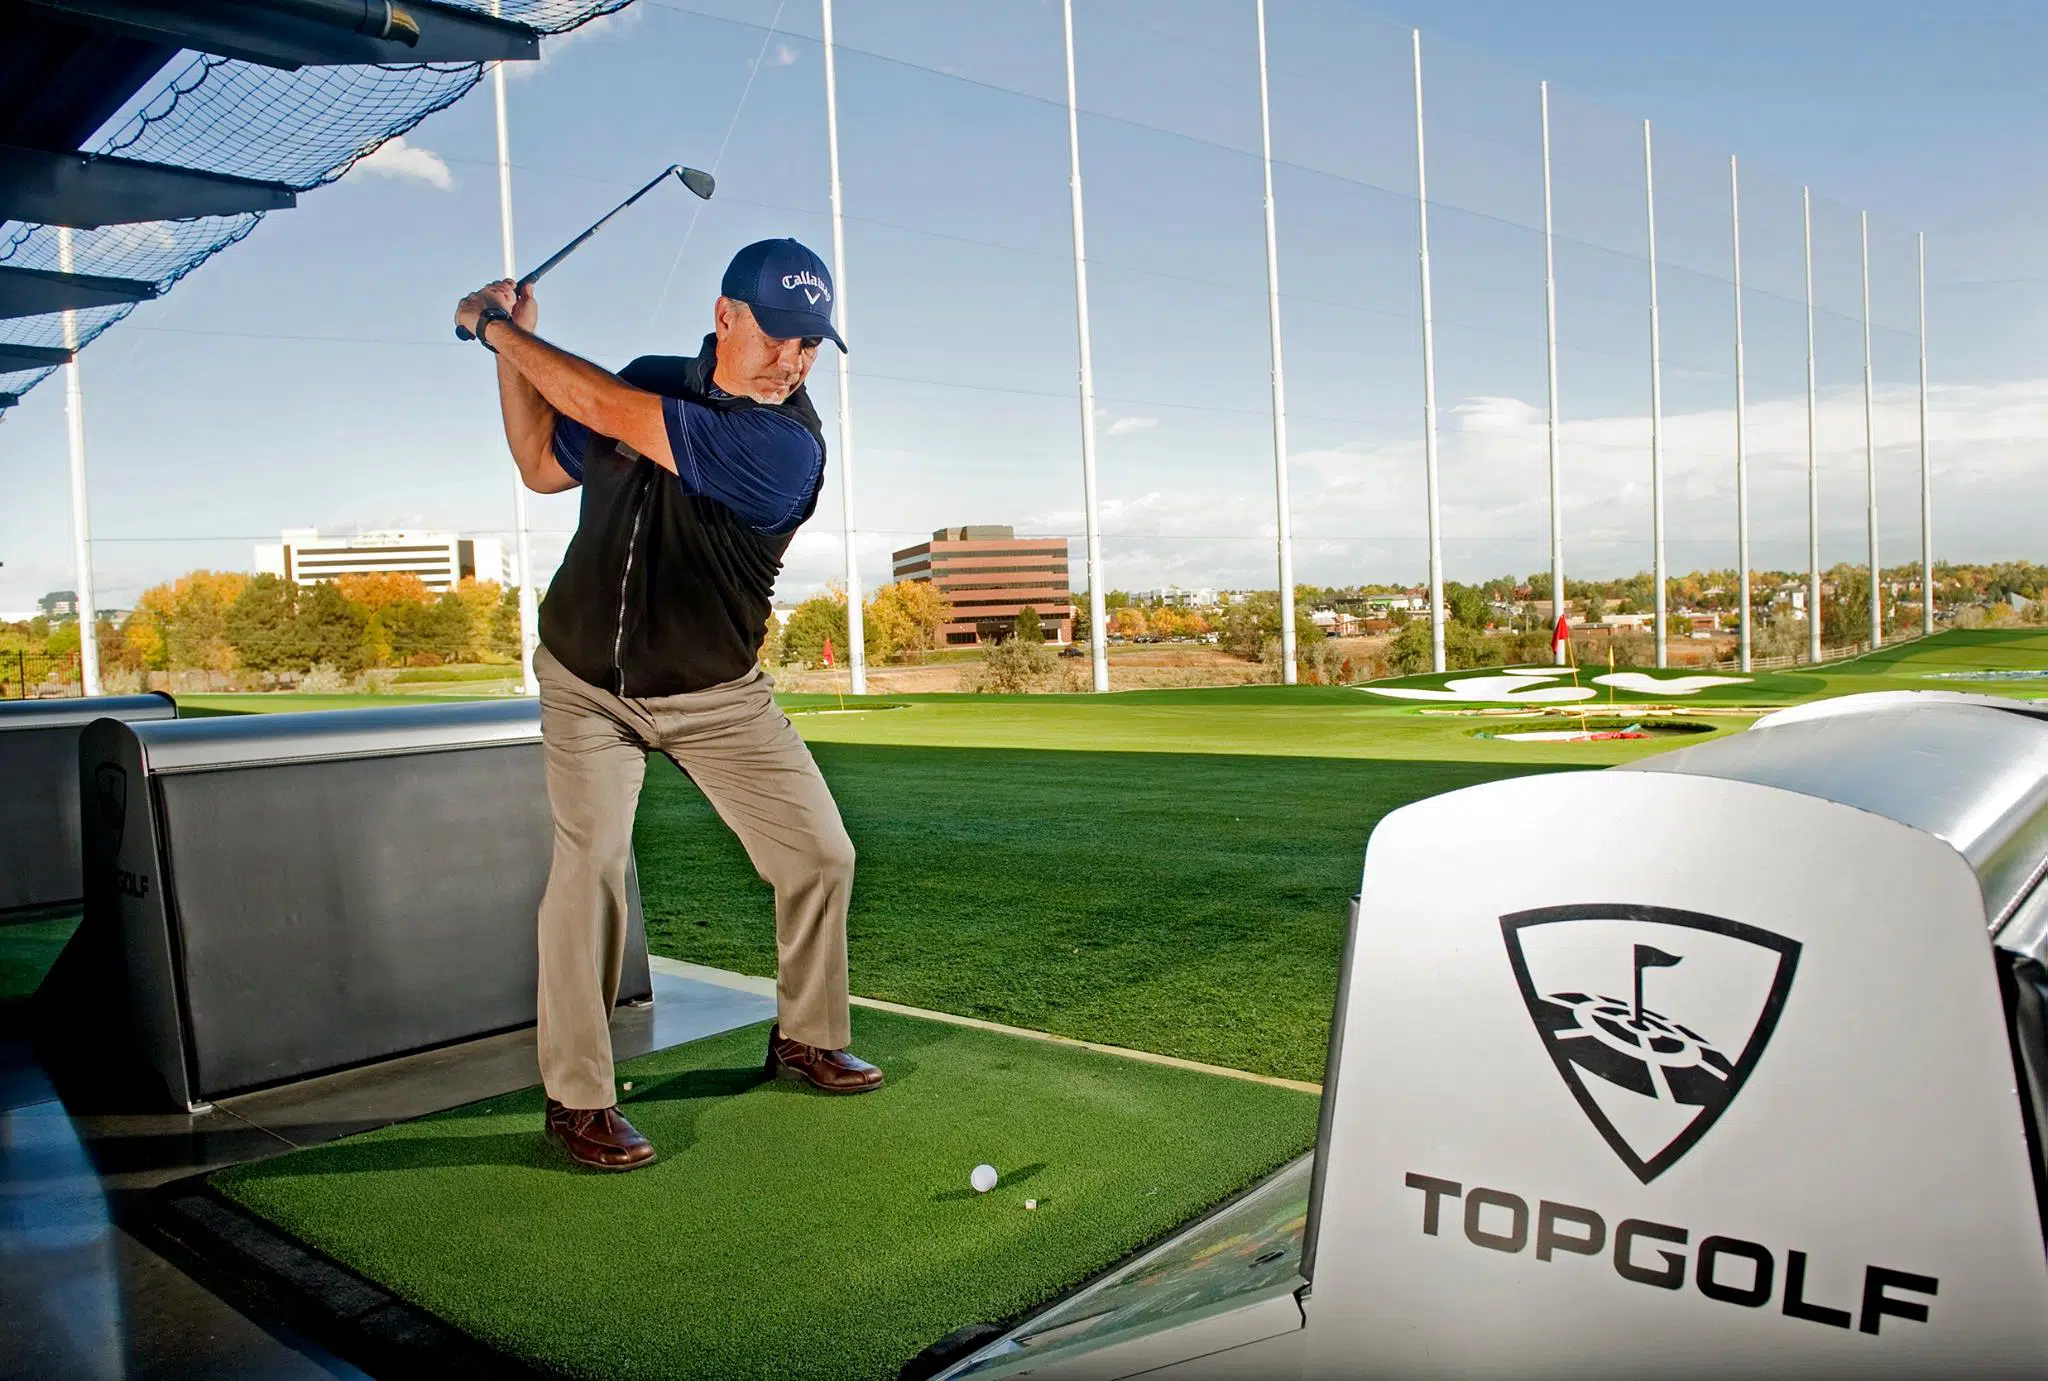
x=989, y=574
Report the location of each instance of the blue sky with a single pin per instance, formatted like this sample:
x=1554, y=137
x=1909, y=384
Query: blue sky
x=307, y=376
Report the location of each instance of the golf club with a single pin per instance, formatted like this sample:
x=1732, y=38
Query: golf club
x=699, y=182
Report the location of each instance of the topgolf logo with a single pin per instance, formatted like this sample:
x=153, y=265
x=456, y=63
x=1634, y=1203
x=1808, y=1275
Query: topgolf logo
x=110, y=786
x=1653, y=1070
x=808, y=281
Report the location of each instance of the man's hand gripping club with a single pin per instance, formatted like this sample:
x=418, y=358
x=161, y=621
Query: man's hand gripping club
x=539, y=383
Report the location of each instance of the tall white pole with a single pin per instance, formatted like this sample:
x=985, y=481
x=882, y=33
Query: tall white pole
x=856, y=633
x=1098, y=631
x=1741, y=401
x=81, y=516
x=1813, y=628
x=1926, y=475
x=1283, y=518
x=1429, y=471
x=1870, y=456
x=1656, y=409
x=1557, y=599
x=522, y=534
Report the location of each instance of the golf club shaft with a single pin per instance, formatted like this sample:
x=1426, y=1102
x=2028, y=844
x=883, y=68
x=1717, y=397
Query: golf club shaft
x=566, y=250
x=528, y=280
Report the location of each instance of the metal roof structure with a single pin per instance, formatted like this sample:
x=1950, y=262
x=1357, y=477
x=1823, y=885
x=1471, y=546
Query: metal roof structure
x=234, y=108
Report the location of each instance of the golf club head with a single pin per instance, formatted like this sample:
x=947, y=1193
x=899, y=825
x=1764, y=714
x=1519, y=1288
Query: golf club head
x=699, y=182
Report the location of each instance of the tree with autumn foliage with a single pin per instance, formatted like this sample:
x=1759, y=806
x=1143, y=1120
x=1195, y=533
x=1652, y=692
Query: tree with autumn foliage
x=903, y=620
x=182, y=623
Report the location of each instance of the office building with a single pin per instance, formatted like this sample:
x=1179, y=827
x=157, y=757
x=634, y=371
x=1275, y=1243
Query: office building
x=990, y=575
x=439, y=559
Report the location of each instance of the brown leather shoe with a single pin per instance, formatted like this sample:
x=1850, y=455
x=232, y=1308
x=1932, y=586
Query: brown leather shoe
x=598, y=1138
x=828, y=1071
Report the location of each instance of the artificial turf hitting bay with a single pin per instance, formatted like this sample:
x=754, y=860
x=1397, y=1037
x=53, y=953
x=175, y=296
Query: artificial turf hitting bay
x=27, y=949
x=784, y=1233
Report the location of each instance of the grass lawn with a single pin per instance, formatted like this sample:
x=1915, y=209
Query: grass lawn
x=293, y=702
x=1260, y=721
x=783, y=1233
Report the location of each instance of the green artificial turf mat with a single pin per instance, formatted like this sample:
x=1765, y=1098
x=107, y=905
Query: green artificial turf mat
x=27, y=950
x=784, y=1233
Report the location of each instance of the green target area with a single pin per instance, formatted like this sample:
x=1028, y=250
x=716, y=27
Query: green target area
x=1590, y=688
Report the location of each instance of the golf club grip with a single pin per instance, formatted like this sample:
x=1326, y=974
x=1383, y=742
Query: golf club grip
x=464, y=333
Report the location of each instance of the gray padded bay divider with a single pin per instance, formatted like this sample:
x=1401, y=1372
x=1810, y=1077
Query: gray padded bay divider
x=278, y=896
x=39, y=831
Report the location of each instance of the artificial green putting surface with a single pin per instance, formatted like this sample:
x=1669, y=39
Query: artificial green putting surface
x=784, y=1233
x=27, y=950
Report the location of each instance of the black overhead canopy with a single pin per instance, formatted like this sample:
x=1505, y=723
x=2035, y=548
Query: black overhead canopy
x=205, y=152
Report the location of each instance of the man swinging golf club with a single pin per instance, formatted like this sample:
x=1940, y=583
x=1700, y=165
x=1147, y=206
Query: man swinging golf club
x=696, y=473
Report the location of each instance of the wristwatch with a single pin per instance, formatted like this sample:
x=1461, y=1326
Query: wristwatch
x=483, y=321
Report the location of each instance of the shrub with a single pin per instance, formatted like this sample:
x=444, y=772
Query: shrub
x=1013, y=667
x=1320, y=664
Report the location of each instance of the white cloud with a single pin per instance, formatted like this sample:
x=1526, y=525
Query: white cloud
x=1124, y=426
x=817, y=556
x=783, y=56
x=1358, y=506
x=1984, y=441
x=407, y=163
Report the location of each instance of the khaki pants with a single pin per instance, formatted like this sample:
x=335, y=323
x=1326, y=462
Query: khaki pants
x=746, y=757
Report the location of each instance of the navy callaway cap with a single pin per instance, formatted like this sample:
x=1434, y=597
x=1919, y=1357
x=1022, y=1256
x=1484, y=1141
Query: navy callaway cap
x=788, y=287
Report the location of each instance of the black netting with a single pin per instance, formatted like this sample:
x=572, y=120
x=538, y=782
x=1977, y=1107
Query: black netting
x=303, y=128
x=232, y=117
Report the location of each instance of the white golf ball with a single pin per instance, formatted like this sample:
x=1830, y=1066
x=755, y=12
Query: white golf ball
x=983, y=1178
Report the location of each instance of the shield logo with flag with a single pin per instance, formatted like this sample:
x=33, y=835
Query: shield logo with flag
x=110, y=786
x=1655, y=1017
